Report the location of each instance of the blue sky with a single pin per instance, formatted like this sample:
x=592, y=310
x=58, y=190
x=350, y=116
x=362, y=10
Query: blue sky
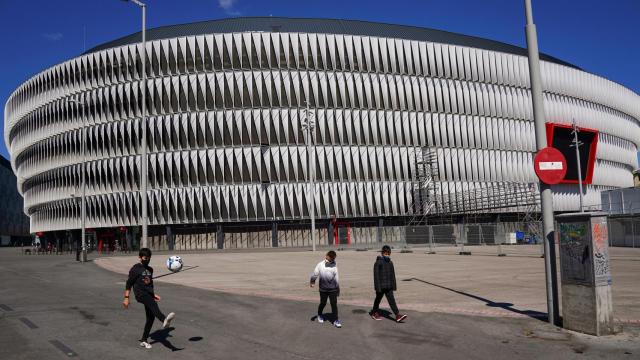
x=601, y=37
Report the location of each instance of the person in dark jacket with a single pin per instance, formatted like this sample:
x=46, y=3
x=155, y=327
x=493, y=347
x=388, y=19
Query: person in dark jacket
x=141, y=279
x=384, y=281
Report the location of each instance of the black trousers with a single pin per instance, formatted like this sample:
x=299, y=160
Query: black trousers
x=333, y=298
x=152, y=311
x=390, y=299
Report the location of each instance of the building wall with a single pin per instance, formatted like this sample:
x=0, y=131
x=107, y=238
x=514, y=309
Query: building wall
x=13, y=221
x=226, y=139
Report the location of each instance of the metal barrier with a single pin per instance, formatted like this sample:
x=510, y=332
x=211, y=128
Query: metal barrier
x=468, y=236
x=624, y=231
x=344, y=235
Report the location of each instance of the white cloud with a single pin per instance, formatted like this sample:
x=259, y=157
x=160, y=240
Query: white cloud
x=56, y=36
x=227, y=5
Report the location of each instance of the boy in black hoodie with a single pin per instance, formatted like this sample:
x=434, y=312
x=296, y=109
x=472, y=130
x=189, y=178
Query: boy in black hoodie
x=384, y=281
x=141, y=279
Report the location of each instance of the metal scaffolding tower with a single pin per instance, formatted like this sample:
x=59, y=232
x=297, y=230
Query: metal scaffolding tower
x=425, y=185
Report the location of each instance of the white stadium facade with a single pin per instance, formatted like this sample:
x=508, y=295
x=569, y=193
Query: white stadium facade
x=227, y=156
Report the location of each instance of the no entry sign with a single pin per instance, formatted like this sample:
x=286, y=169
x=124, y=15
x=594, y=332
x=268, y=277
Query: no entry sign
x=550, y=165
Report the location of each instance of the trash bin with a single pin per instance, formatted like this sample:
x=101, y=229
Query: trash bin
x=520, y=236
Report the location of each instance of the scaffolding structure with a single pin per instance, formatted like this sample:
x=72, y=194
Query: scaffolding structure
x=495, y=197
x=466, y=209
x=426, y=181
x=531, y=218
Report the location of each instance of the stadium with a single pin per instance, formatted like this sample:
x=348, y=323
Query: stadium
x=408, y=122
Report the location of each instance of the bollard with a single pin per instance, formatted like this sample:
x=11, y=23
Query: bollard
x=431, y=250
x=462, y=251
x=500, y=253
x=463, y=238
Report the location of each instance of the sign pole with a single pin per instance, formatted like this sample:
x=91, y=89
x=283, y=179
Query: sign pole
x=576, y=144
x=546, y=196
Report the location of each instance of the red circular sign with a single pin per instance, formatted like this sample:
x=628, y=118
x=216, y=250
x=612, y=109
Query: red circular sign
x=550, y=165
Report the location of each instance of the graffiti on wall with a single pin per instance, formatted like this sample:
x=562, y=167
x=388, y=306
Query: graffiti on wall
x=599, y=234
x=575, y=256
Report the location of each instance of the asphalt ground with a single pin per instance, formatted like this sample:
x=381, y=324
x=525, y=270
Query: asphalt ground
x=52, y=307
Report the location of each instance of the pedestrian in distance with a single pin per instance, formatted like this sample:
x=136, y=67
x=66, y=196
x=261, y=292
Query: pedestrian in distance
x=384, y=281
x=141, y=279
x=327, y=272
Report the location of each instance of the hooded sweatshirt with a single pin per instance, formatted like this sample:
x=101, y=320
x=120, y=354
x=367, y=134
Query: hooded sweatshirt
x=141, y=279
x=327, y=271
x=384, y=275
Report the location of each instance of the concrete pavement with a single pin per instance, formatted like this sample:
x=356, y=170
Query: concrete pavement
x=482, y=284
x=51, y=306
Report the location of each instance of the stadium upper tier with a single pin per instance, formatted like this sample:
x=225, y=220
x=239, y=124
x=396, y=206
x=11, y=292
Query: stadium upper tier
x=225, y=137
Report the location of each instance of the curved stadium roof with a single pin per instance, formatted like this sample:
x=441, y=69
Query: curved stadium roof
x=325, y=26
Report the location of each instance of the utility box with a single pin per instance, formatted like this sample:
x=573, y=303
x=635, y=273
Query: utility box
x=587, y=306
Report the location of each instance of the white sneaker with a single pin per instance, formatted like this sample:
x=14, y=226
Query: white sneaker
x=167, y=320
x=145, y=345
x=320, y=319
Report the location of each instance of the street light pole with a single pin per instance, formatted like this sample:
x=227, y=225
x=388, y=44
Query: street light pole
x=143, y=160
x=546, y=196
x=83, y=201
x=576, y=144
x=309, y=124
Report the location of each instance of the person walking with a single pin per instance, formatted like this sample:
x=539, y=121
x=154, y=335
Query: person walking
x=384, y=281
x=327, y=272
x=141, y=279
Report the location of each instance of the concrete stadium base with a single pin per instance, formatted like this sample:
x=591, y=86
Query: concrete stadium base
x=482, y=284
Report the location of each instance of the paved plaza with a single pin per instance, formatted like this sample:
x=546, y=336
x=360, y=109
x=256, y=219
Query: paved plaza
x=482, y=284
x=52, y=307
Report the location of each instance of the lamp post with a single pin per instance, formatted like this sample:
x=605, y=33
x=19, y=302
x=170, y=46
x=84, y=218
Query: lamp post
x=143, y=161
x=83, y=201
x=546, y=196
x=308, y=124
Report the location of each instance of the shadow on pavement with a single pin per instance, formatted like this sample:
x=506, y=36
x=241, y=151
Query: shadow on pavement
x=327, y=317
x=161, y=336
x=173, y=273
x=507, y=306
x=387, y=315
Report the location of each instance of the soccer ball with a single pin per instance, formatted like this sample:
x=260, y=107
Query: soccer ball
x=174, y=263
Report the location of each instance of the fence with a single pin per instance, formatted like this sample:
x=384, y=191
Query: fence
x=347, y=234
x=340, y=234
x=470, y=233
x=624, y=231
x=287, y=235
